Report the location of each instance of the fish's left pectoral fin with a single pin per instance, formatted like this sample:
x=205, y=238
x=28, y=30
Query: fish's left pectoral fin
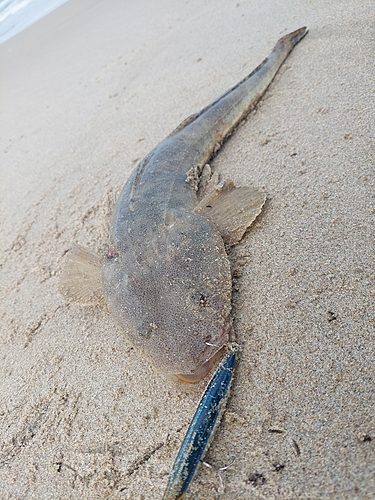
x=231, y=209
x=81, y=279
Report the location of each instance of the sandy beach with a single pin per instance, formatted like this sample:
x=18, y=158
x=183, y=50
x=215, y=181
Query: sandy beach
x=86, y=93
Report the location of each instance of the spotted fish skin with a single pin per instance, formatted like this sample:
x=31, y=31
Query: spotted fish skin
x=167, y=278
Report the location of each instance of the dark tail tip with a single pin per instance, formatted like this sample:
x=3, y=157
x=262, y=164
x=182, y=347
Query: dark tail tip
x=295, y=36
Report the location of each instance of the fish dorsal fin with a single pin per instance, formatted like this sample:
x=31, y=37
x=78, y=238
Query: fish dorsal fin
x=231, y=209
x=184, y=124
x=81, y=279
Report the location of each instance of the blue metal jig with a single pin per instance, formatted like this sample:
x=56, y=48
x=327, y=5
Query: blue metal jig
x=200, y=431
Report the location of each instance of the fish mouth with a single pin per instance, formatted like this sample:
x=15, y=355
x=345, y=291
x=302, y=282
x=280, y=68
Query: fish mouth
x=201, y=372
x=206, y=367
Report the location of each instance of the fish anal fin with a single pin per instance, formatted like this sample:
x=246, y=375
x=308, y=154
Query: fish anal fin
x=231, y=209
x=81, y=279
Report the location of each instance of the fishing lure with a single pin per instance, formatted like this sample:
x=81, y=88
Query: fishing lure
x=201, y=429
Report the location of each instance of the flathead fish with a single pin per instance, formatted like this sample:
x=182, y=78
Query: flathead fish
x=167, y=277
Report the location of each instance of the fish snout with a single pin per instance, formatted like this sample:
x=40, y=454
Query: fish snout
x=215, y=348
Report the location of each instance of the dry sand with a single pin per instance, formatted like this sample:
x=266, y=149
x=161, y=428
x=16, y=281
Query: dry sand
x=86, y=92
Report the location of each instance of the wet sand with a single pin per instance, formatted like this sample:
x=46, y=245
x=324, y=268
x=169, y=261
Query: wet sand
x=88, y=91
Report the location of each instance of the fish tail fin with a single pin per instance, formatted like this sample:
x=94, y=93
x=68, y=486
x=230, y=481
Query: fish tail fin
x=227, y=111
x=294, y=37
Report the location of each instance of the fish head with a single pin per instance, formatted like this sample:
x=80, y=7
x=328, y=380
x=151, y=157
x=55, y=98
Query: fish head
x=172, y=296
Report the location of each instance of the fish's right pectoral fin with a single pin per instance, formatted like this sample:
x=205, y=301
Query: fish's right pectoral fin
x=231, y=209
x=81, y=279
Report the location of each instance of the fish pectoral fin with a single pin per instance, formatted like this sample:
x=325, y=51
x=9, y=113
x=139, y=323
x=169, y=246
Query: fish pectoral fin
x=81, y=279
x=231, y=209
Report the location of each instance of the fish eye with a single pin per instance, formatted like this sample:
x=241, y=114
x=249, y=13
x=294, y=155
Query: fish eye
x=199, y=298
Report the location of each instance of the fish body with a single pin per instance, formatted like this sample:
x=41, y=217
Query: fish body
x=167, y=278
